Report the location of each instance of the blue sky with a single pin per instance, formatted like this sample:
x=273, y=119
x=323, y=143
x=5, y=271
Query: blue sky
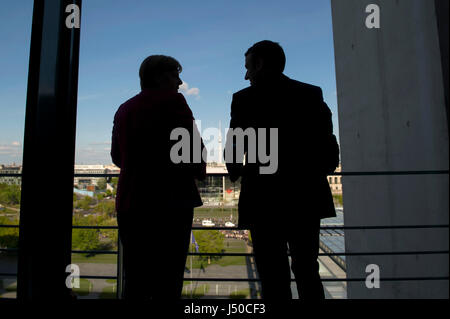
x=209, y=38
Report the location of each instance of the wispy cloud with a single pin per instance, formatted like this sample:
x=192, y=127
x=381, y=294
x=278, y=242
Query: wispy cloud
x=106, y=143
x=184, y=88
x=11, y=149
x=94, y=153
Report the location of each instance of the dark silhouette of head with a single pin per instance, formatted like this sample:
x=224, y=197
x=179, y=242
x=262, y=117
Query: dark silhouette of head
x=160, y=72
x=264, y=60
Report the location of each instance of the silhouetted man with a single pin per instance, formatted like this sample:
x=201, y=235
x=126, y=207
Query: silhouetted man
x=155, y=195
x=282, y=206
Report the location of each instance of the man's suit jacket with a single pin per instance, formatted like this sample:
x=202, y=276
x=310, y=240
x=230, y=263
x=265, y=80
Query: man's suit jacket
x=141, y=145
x=299, y=189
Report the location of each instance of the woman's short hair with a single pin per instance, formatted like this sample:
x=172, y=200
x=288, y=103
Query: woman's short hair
x=154, y=66
x=271, y=53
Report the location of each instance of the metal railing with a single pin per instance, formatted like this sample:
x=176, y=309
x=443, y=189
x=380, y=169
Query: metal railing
x=119, y=275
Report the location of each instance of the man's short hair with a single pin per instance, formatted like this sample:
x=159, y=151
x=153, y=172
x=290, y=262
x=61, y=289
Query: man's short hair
x=154, y=66
x=271, y=53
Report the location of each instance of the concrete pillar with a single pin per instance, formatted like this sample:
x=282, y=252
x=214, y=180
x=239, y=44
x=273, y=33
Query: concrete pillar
x=392, y=117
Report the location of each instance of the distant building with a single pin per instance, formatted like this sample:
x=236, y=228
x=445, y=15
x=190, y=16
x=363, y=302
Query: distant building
x=10, y=169
x=89, y=182
x=112, y=169
x=227, y=192
x=231, y=191
x=216, y=168
x=83, y=192
x=109, y=187
x=335, y=182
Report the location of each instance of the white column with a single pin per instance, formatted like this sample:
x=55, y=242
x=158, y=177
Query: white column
x=392, y=117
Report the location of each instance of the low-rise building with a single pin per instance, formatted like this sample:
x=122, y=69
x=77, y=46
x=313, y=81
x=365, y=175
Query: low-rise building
x=10, y=169
x=85, y=182
x=335, y=182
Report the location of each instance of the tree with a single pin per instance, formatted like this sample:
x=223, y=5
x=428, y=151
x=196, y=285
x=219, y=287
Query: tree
x=110, y=236
x=114, y=181
x=337, y=198
x=101, y=184
x=106, y=207
x=9, y=237
x=85, y=203
x=85, y=239
x=9, y=194
x=209, y=241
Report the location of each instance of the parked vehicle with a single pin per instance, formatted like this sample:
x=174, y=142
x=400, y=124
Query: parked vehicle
x=207, y=223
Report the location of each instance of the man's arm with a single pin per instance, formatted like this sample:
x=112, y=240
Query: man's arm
x=234, y=168
x=199, y=169
x=115, y=149
x=328, y=148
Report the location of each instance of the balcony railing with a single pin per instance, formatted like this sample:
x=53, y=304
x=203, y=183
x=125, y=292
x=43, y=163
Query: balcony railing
x=119, y=276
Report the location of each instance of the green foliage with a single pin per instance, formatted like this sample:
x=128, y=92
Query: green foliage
x=338, y=200
x=109, y=292
x=114, y=181
x=197, y=292
x=9, y=237
x=223, y=213
x=85, y=203
x=231, y=261
x=9, y=194
x=102, y=214
x=101, y=184
x=97, y=259
x=94, y=239
x=106, y=207
x=12, y=287
x=89, y=200
x=85, y=239
x=110, y=237
x=85, y=287
x=240, y=294
x=209, y=241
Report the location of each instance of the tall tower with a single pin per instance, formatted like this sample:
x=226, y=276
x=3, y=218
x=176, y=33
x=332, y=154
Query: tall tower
x=220, y=160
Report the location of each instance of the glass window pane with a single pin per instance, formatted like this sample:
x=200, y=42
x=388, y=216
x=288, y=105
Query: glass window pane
x=15, y=36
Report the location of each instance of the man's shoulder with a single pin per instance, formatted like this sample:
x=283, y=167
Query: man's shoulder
x=298, y=85
x=127, y=105
x=287, y=83
x=245, y=92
